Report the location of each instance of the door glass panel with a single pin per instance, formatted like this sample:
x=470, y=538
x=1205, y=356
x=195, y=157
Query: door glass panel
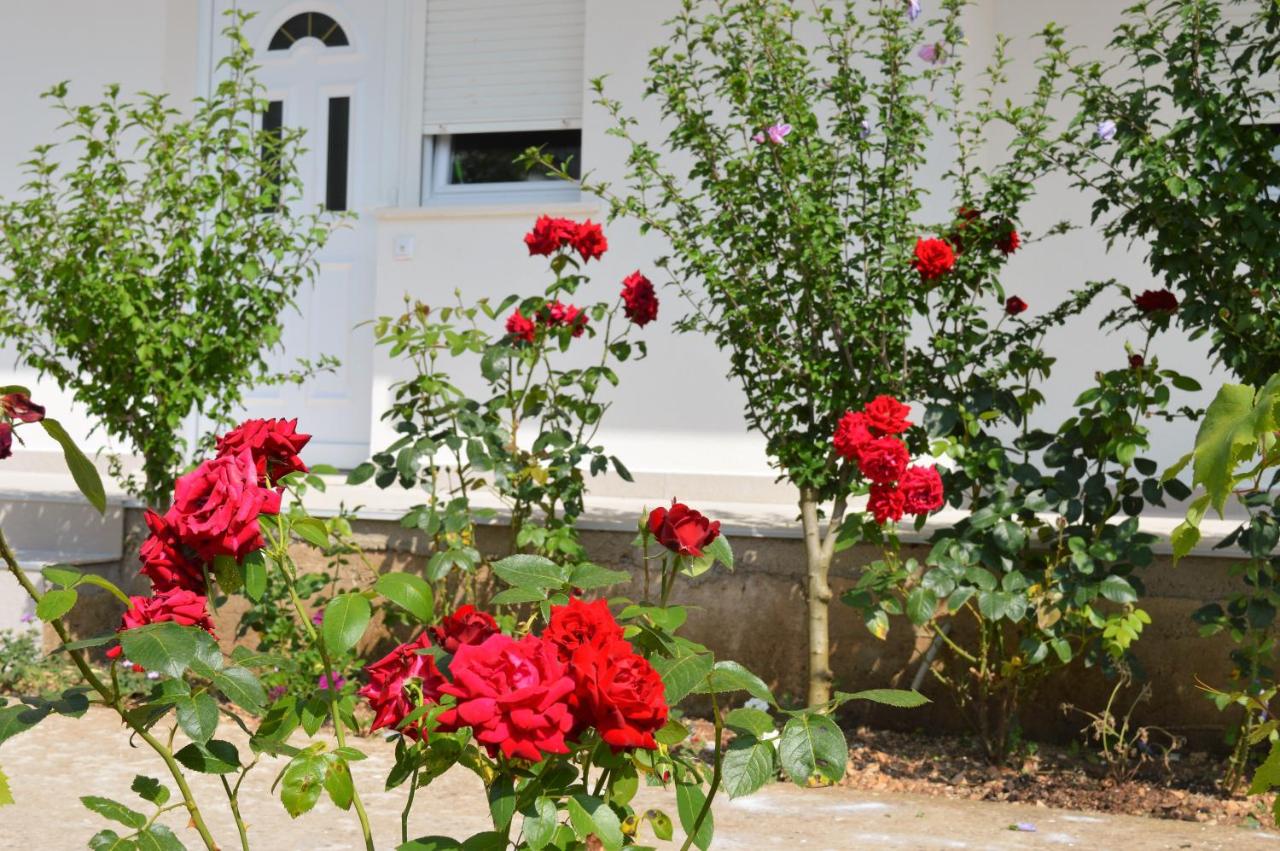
x=335, y=192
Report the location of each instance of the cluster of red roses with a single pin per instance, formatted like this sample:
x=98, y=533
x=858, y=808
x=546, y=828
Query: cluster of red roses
x=15, y=407
x=935, y=257
x=1157, y=302
x=215, y=513
x=551, y=235
x=527, y=697
x=867, y=438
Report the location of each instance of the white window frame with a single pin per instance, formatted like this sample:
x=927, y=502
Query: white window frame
x=437, y=191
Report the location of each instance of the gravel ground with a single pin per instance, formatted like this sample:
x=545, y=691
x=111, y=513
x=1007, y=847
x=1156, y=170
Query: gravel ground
x=63, y=758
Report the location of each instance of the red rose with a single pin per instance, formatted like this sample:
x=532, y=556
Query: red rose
x=512, y=694
x=682, y=530
x=20, y=407
x=520, y=327
x=549, y=235
x=467, y=625
x=852, y=433
x=886, y=503
x=921, y=489
x=578, y=624
x=638, y=299
x=557, y=313
x=934, y=258
x=887, y=415
x=589, y=241
x=883, y=460
x=1014, y=305
x=165, y=560
x=274, y=445
x=400, y=682
x=957, y=237
x=177, y=605
x=1010, y=242
x=6, y=440
x=618, y=692
x=1137, y=361
x=1156, y=301
x=216, y=507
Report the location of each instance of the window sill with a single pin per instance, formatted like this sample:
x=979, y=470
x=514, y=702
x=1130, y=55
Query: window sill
x=458, y=209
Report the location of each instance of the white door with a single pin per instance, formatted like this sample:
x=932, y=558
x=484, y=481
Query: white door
x=322, y=68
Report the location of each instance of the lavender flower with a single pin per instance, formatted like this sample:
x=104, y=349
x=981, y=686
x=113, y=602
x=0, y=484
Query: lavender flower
x=932, y=53
x=328, y=681
x=277, y=692
x=913, y=9
x=866, y=129
x=27, y=617
x=778, y=133
x=759, y=138
x=1024, y=827
x=1106, y=130
x=317, y=617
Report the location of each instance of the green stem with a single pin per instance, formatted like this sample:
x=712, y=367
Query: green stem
x=408, y=805
x=112, y=699
x=715, y=776
x=234, y=801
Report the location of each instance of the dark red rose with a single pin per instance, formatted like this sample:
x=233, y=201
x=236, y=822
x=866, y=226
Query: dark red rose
x=274, y=445
x=177, y=605
x=1156, y=301
x=682, y=530
x=216, y=507
x=617, y=692
x=514, y=695
x=883, y=460
x=1137, y=361
x=400, y=682
x=578, y=624
x=557, y=314
x=1010, y=242
x=467, y=625
x=958, y=236
x=589, y=241
x=921, y=489
x=852, y=433
x=166, y=561
x=934, y=258
x=886, y=415
x=20, y=407
x=886, y=503
x=521, y=327
x=638, y=299
x=549, y=235
x=1014, y=305
x=6, y=440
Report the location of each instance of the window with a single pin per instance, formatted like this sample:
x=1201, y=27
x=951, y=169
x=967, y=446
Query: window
x=335, y=187
x=308, y=25
x=482, y=166
x=272, y=139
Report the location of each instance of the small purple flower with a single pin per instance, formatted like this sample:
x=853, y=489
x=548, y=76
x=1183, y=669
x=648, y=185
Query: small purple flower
x=1106, y=130
x=153, y=675
x=913, y=9
x=932, y=53
x=317, y=617
x=27, y=618
x=865, y=129
x=778, y=133
x=277, y=692
x=1024, y=827
x=336, y=683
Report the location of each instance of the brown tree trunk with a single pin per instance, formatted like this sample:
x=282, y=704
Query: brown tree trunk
x=818, y=593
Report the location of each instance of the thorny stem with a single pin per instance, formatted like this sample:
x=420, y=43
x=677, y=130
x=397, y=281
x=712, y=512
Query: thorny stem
x=234, y=801
x=715, y=776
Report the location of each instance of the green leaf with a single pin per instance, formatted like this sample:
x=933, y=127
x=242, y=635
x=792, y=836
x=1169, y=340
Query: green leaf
x=1226, y=431
x=361, y=474
x=6, y=794
x=689, y=801
x=19, y=718
x=516, y=596
x=115, y=811
x=661, y=824
x=748, y=765
x=921, y=603
x=54, y=604
x=900, y=698
x=62, y=574
x=1117, y=590
x=587, y=575
x=106, y=585
x=682, y=674
x=409, y=592
x=727, y=676
x=338, y=782
x=150, y=789
x=214, y=757
x=301, y=783
x=748, y=720
x=198, y=716
x=813, y=746
x=539, y=824
x=672, y=733
x=345, y=619
x=227, y=571
x=109, y=840
x=1267, y=775
x=430, y=843
x=254, y=568
x=82, y=470
x=312, y=530
x=590, y=815
x=502, y=802
x=158, y=838
x=531, y=572
x=167, y=648
x=720, y=550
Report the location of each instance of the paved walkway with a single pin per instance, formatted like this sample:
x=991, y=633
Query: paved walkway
x=62, y=759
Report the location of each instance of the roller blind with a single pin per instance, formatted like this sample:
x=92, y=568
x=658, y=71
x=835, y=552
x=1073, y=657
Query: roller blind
x=495, y=65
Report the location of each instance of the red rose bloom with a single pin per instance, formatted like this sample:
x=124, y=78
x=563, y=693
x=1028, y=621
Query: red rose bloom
x=934, y=258
x=589, y=241
x=401, y=681
x=467, y=625
x=1137, y=361
x=216, y=507
x=885, y=503
x=165, y=560
x=1010, y=242
x=618, y=692
x=1014, y=305
x=852, y=433
x=512, y=694
x=883, y=460
x=20, y=407
x=1156, y=301
x=6, y=440
x=567, y=315
x=274, y=445
x=682, y=530
x=578, y=624
x=638, y=299
x=177, y=605
x=921, y=489
x=549, y=235
x=887, y=415
x=521, y=327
